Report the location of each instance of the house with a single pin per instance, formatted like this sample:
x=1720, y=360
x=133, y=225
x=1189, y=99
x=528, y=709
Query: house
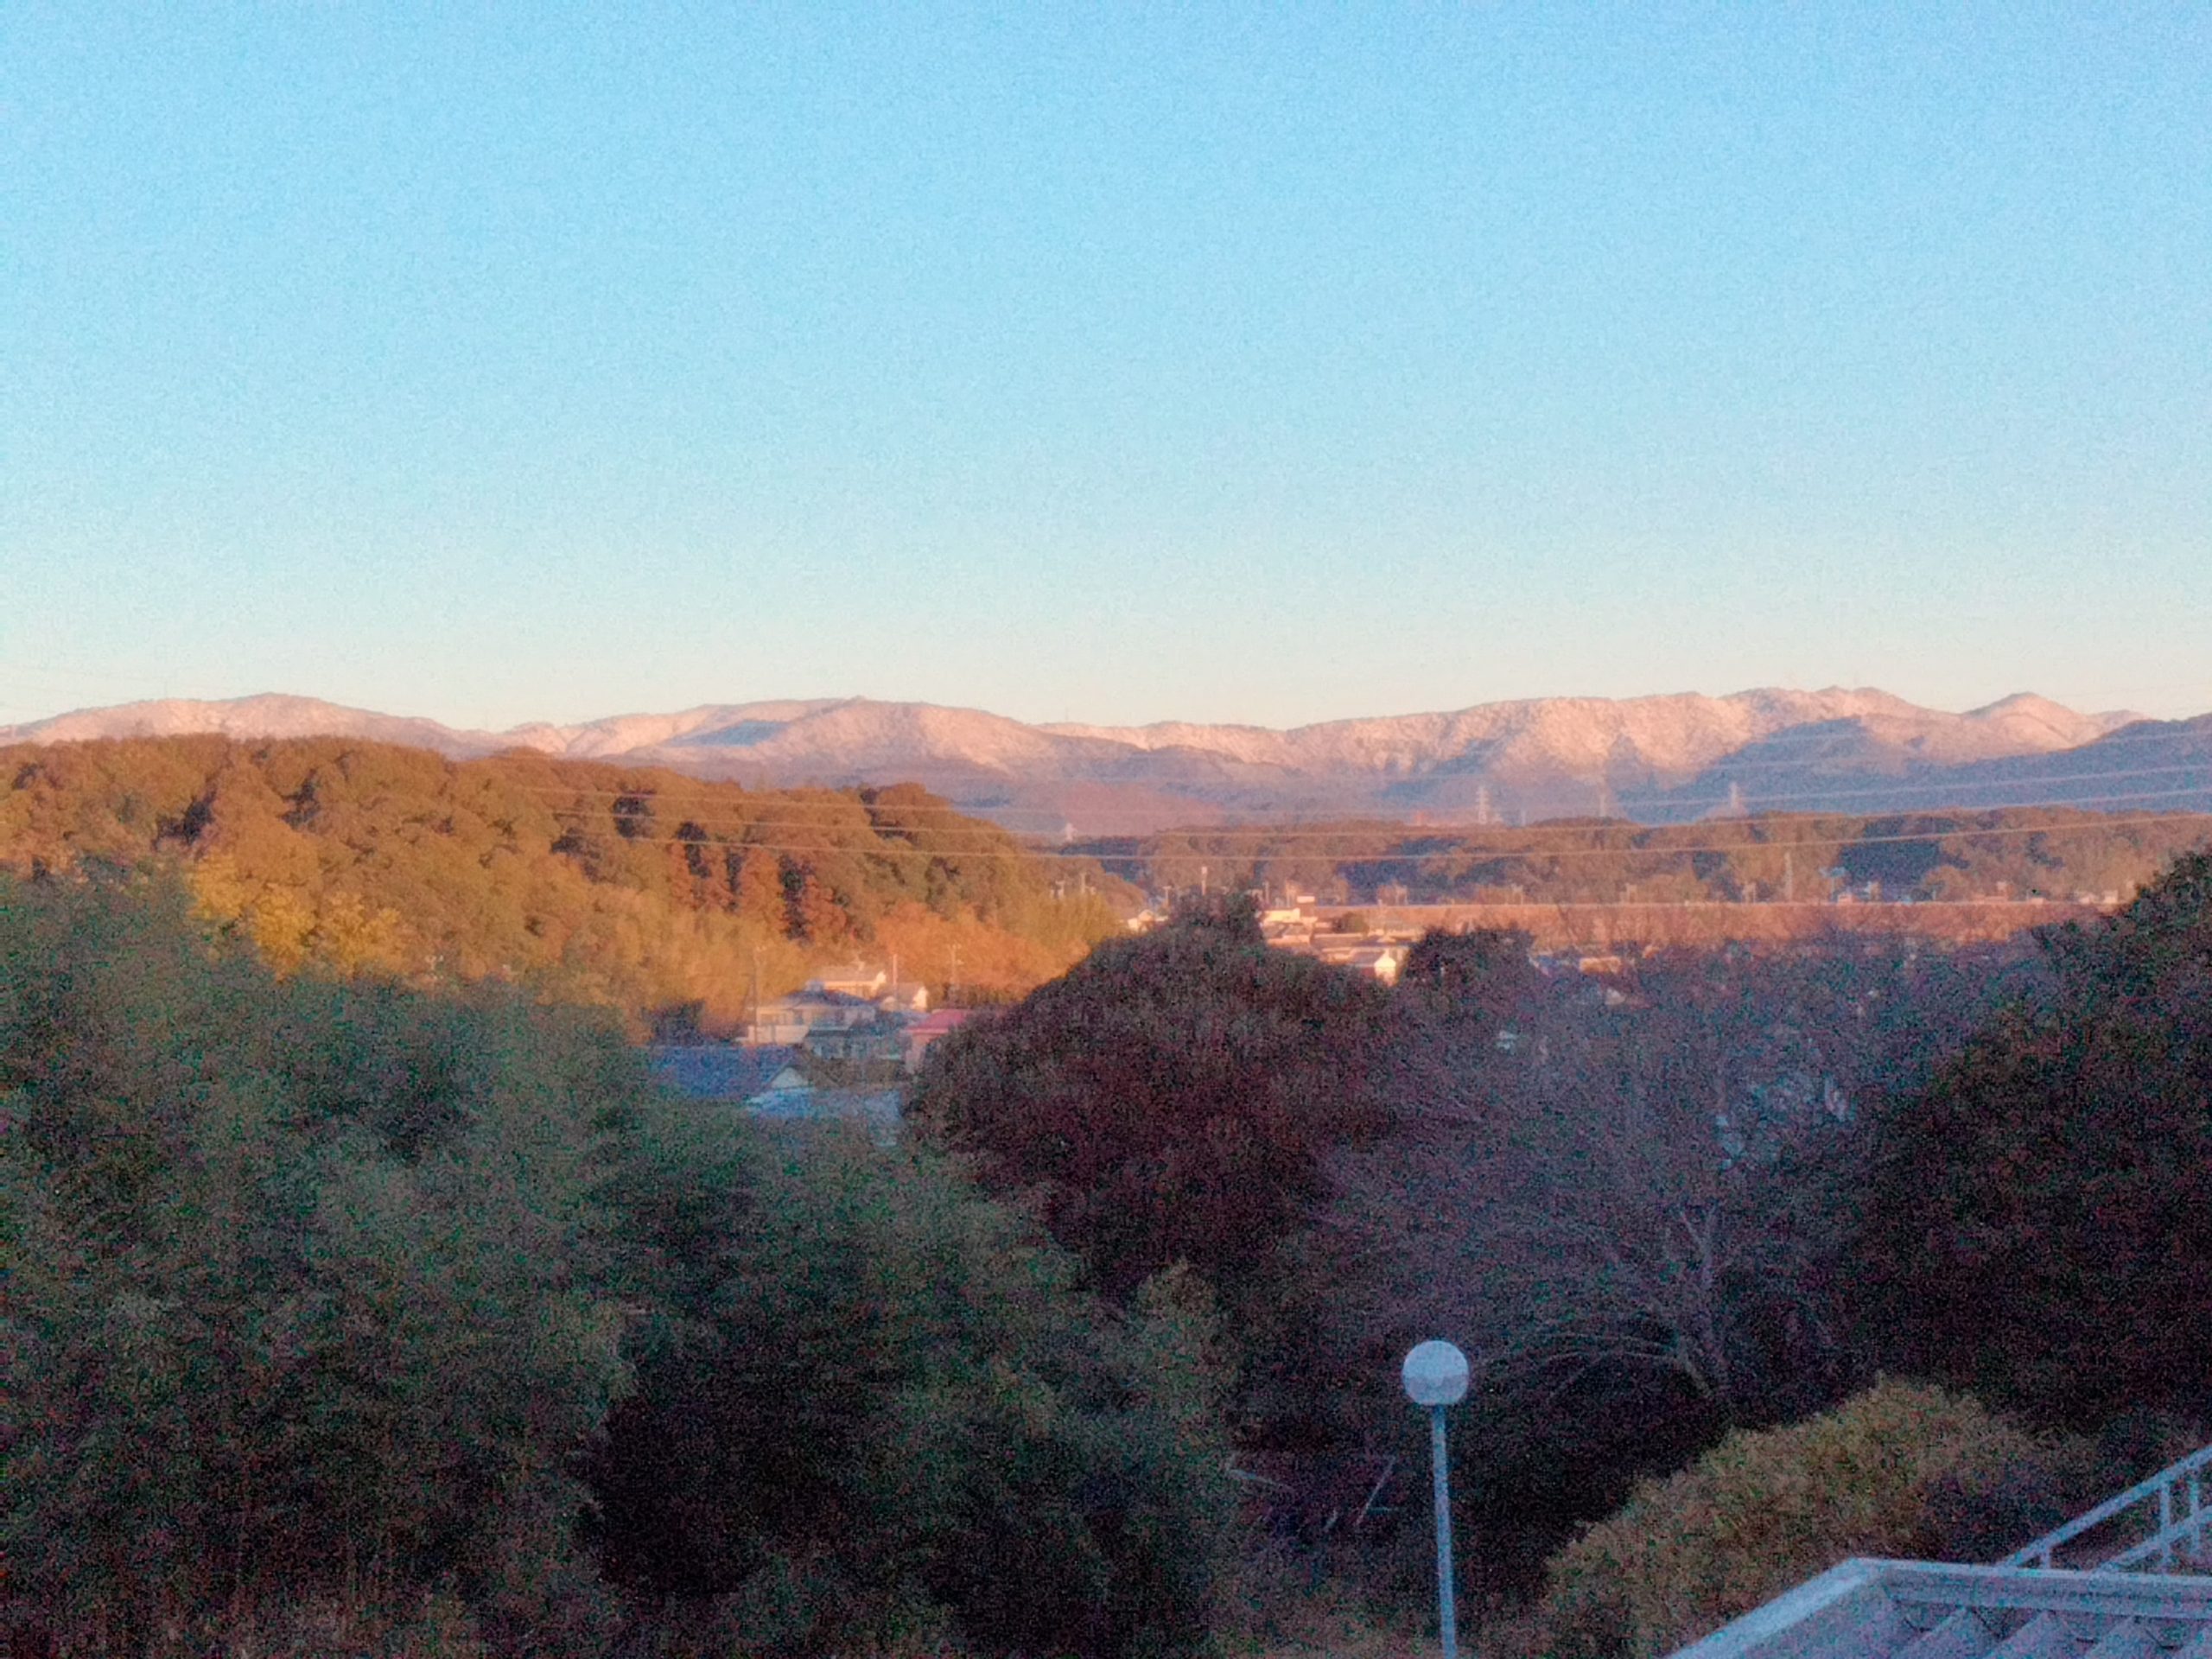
x=882, y=1039
x=1361, y=956
x=1378, y=962
x=885, y=990
x=920, y=1033
x=908, y=996
x=793, y=1018
x=853, y=979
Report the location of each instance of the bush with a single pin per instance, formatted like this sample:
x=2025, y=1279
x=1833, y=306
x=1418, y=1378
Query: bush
x=1903, y=1470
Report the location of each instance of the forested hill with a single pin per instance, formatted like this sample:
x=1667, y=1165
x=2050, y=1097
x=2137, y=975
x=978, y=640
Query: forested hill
x=642, y=890
x=2051, y=853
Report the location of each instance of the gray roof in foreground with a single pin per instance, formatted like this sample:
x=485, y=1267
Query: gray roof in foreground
x=718, y=1070
x=1868, y=1609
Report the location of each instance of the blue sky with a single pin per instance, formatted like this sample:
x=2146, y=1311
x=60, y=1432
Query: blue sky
x=1112, y=364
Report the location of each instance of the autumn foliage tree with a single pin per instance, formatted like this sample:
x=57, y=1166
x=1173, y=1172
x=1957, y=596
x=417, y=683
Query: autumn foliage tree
x=641, y=890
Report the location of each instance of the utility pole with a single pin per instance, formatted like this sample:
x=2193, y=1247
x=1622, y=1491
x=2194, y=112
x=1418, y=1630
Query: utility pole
x=1789, y=878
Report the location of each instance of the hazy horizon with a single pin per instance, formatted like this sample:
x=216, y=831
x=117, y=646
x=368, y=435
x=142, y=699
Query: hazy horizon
x=1077, y=720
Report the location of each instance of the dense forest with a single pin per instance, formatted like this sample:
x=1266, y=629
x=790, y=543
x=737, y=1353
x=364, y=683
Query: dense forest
x=2058, y=853
x=344, y=1318
x=644, y=891
x=350, y=1315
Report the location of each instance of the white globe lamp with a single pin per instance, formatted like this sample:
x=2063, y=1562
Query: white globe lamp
x=1435, y=1376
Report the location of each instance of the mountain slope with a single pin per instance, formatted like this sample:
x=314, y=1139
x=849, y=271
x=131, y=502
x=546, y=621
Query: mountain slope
x=1661, y=759
x=271, y=715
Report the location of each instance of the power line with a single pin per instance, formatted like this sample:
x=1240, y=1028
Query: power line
x=1481, y=857
x=1762, y=804
x=776, y=799
x=1261, y=841
x=1309, y=831
x=2178, y=731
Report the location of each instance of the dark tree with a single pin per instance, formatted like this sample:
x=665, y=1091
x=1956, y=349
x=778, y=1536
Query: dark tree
x=2039, y=1219
x=1166, y=1100
x=1489, y=967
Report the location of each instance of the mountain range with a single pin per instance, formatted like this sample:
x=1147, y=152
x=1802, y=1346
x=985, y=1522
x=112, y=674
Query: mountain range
x=1656, y=759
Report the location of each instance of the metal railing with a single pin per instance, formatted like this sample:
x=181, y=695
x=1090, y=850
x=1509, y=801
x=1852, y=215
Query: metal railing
x=2178, y=1491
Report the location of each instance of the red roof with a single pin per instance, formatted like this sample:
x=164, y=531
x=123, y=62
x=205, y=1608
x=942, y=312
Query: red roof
x=936, y=1025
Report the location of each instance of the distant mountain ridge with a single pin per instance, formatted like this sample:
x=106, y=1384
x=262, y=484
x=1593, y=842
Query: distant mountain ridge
x=1658, y=759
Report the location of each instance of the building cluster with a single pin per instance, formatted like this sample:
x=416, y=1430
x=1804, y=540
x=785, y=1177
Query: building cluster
x=841, y=1047
x=856, y=1012
x=1296, y=926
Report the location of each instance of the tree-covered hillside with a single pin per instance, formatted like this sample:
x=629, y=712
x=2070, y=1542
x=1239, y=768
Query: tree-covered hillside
x=640, y=890
x=2058, y=853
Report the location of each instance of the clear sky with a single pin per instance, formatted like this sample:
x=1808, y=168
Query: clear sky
x=1120, y=363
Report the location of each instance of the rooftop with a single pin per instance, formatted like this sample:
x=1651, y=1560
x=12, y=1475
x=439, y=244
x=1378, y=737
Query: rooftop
x=719, y=1070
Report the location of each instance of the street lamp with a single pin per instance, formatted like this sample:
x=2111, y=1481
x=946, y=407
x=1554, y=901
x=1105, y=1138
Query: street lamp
x=1435, y=1376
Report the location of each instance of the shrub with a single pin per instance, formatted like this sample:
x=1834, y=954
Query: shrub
x=1903, y=1470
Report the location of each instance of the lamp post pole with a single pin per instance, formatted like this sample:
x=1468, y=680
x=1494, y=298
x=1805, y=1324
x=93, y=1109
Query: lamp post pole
x=1446, y=1609
x=1435, y=1376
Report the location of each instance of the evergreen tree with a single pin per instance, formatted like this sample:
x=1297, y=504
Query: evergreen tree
x=2039, y=1218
